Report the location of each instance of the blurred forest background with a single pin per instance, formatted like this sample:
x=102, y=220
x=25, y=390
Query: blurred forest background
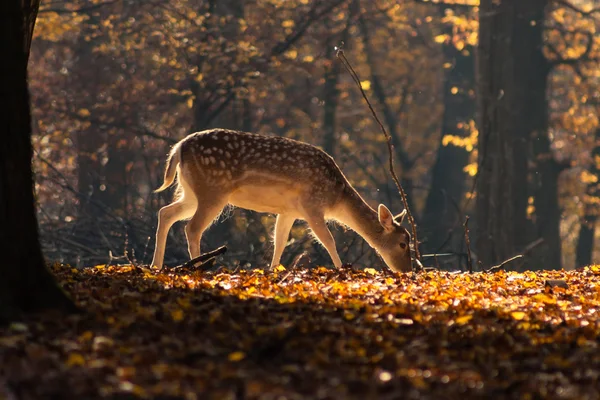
x=115, y=83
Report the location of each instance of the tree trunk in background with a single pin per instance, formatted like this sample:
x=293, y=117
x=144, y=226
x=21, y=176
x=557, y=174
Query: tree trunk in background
x=587, y=230
x=247, y=115
x=513, y=110
x=236, y=116
x=448, y=179
x=88, y=140
x=116, y=176
x=585, y=242
x=205, y=114
x=100, y=166
x=25, y=283
x=495, y=82
x=503, y=40
x=330, y=89
x=531, y=132
x=389, y=118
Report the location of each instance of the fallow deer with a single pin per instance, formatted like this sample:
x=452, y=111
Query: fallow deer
x=292, y=179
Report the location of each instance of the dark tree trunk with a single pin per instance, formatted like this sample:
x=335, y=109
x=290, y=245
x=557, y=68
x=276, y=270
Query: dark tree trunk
x=512, y=86
x=585, y=242
x=247, y=115
x=531, y=132
x=547, y=207
x=448, y=179
x=330, y=88
x=495, y=175
x=25, y=283
x=587, y=230
x=389, y=118
x=100, y=184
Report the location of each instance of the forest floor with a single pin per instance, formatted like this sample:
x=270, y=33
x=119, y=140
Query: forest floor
x=310, y=334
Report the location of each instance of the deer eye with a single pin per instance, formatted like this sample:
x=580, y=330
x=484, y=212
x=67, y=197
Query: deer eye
x=403, y=246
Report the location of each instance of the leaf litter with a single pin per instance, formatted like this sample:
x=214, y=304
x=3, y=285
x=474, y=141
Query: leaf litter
x=318, y=334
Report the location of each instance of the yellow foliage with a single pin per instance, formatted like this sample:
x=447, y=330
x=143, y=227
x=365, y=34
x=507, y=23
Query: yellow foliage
x=177, y=315
x=518, y=315
x=471, y=169
x=291, y=54
x=52, y=26
x=587, y=177
x=75, y=359
x=237, y=356
x=463, y=319
x=441, y=38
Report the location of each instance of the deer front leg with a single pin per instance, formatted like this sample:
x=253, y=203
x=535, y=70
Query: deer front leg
x=283, y=225
x=321, y=231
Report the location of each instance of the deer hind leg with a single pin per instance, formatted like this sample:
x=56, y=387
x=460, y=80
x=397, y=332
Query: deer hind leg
x=206, y=213
x=181, y=209
x=283, y=225
x=321, y=231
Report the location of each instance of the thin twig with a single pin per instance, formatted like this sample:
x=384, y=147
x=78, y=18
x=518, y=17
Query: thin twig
x=468, y=243
x=440, y=255
x=411, y=220
x=293, y=267
x=503, y=263
x=528, y=249
x=532, y=246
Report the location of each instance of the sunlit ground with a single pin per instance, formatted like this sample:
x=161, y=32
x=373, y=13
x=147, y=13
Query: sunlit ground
x=317, y=333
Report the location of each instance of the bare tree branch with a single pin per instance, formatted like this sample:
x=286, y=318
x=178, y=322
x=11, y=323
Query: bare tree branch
x=578, y=10
x=585, y=56
x=77, y=10
x=446, y=4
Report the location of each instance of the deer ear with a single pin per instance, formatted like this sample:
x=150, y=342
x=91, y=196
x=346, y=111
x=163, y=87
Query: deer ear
x=386, y=219
x=400, y=217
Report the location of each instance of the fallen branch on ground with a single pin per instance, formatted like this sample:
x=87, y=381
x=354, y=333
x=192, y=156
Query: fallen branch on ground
x=204, y=259
x=503, y=263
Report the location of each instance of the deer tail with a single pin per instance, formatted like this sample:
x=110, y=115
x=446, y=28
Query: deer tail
x=173, y=160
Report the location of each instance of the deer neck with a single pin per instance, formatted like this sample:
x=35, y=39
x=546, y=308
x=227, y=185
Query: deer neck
x=354, y=212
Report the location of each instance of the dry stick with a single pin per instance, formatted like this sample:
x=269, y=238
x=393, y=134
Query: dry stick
x=503, y=263
x=529, y=248
x=525, y=251
x=295, y=263
x=340, y=54
x=203, y=257
x=468, y=243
